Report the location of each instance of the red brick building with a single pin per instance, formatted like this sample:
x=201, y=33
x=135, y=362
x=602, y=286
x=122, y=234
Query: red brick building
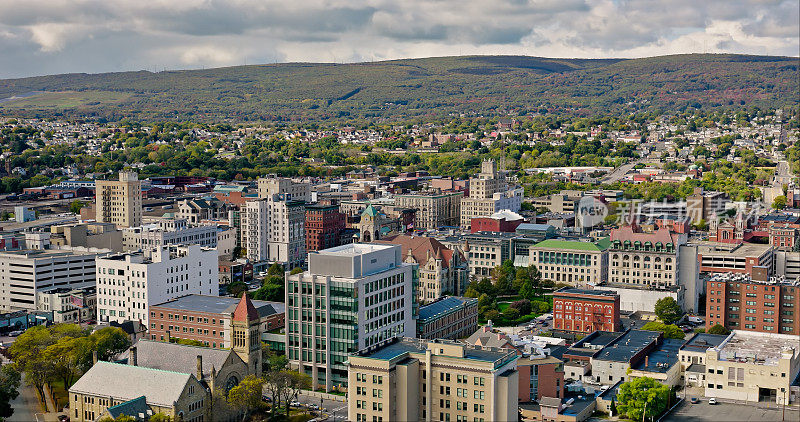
x=491, y=224
x=784, y=237
x=540, y=376
x=207, y=319
x=585, y=311
x=738, y=302
x=324, y=224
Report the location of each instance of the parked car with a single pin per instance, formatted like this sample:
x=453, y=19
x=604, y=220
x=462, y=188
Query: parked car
x=63, y=418
x=712, y=401
x=15, y=333
x=266, y=398
x=295, y=404
x=694, y=400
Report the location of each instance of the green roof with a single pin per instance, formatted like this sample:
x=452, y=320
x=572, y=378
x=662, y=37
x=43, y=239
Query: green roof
x=598, y=246
x=370, y=211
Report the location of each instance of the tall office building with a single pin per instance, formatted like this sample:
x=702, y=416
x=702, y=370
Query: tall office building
x=128, y=283
x=24, y=273
x=488, y=194
x=170, y=231
x=434, y=209
x=274, y=231
x=291, y=190
x=119, y=202
x=324, y=225
x=352, y=297
x=432, y=380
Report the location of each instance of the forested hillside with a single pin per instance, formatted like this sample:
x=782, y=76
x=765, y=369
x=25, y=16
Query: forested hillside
x=400, y=89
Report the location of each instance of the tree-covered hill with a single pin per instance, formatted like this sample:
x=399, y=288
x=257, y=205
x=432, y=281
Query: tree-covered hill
x=398, y=89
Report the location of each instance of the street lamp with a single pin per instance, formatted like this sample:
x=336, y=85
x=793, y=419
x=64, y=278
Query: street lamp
x=783, y=412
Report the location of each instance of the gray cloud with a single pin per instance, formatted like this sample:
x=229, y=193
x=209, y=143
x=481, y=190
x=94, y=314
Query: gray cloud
x=58, y=36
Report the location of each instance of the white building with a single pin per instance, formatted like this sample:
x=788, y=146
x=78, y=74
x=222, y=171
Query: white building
x=489, y=193
x=69, y=305
x=128, y=283
x=352, y=297
x=24, y=273
x=274, y=231
x=168, y=232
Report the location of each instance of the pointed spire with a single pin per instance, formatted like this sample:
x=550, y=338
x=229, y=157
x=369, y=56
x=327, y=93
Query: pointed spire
x=245, y=311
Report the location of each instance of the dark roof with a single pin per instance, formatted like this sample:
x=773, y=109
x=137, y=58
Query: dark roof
x=611, y=392
x=220, y=305
x=700, y=342
x=179, y=358
x=592, y=343
x=442, y=306
x=696, y=368
x=663, y=357
x=624, y=348
x=402, y=346
x=130, y=408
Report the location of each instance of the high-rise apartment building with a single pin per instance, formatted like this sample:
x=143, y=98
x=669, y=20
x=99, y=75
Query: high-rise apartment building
x=434, y=209
x=738, y=302
x=119, y=201
x=324, y=225
x=274, y=231
x=291, y=190
x=352, y=297
x=488, y=194
x=412, y=379
x=128, y=283
x=25, y=273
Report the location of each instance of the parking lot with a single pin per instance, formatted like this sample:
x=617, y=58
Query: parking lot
x=729, y=412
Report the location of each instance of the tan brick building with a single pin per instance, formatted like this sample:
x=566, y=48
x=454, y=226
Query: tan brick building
x=418, y=380
x=119, y=202
x=434, y=209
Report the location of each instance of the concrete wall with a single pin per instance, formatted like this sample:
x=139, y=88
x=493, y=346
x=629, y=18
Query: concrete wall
x=643, y=300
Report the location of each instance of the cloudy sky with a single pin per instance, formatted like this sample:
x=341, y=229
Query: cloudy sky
x=57, y=36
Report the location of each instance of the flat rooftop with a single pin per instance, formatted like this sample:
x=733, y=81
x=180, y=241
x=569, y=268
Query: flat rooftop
x=741, y=250
x=627, y=345
x=663, y=357
x=592, y=292
x=219, y=304
x=700, y=342
x=758, y=348
x=354, y=249
x=592, y=343
x=400, y=346
x=441, y=307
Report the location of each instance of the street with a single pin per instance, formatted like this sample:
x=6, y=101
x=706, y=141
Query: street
x=26, y=405
x=619, y=172
x=336, y=409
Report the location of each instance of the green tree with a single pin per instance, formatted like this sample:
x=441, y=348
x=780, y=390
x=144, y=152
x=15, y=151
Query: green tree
x=9, y=390
x=159, y=417
x=523, y=306
x=667, y=310
x=643, y=398
x=511, y=314
x=109, y=342
x=779, y=203
x=75, y=206
x=718, y=329
x=246, y=396
x=275, y=269
x=296, y=383
x=669, y=330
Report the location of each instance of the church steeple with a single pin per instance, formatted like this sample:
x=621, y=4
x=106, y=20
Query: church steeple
x=246, y=334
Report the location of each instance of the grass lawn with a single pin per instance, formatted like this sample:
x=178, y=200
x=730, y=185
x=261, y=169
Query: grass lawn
x=66, y=99
x=60, y=394
x=502, y=306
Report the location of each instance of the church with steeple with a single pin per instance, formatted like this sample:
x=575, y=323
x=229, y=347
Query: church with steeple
x=246, y=335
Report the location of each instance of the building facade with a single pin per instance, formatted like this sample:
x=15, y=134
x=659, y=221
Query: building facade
x=432, y=380
x=738, y=302
x=573, y=262
x=442, y=271
x=69, y=305
x=207, y=319
x=489, y=193
x=119, y=201
x=24, y=273
x=448, y=318
x=168, y=232
x=274, y=231
x=585, y=311
x=324, y=225
x=352, y=297
x=128, y=283
x=434, y=209
x=195, y=211
x=644, y=259
x=291, y=190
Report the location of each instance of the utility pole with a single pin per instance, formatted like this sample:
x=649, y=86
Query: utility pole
x=644, y=412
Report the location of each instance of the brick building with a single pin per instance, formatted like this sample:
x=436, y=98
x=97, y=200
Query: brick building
x=540, y=376
x=448, y=318
x=738, y=302
x=585, y=311
x=715, y=257
x=324, y=224
x=207, y=319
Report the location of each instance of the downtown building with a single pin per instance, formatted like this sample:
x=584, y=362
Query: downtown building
x=408, y=379
x=573, y=262
x=739, y=302
x=324, y=224
x=26, y=273
x=168, y=232
x=128, y=283
x=273, y=230
x=488, y=194
x=119, y=201
x=434, y=209
x=352, y=297
x=585, y=311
